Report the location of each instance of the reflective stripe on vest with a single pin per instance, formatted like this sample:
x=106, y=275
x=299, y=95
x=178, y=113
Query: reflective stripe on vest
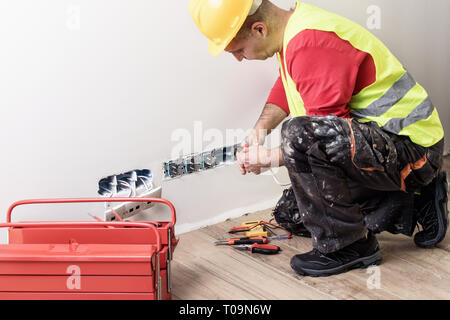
x=295, y=101
x=395, y=101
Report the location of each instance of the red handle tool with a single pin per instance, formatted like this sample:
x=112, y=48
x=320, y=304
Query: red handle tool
x=239, y=229
x=259, y=248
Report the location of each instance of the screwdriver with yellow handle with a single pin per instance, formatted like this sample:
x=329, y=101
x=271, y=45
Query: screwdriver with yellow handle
x=259, y=248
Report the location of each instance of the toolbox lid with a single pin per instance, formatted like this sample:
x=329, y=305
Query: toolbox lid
x=86, y=234
x=77, y=252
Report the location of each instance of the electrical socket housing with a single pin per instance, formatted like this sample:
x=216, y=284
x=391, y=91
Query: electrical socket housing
x=200, y=161
x=128, y=209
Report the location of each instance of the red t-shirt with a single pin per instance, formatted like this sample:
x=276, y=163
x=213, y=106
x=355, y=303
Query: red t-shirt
x=327, y=71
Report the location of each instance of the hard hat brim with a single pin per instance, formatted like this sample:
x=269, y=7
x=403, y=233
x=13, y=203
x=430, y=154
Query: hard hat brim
x=216, y=49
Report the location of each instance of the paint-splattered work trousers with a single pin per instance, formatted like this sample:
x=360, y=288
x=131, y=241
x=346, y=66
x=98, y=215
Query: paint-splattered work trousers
x=349, y=176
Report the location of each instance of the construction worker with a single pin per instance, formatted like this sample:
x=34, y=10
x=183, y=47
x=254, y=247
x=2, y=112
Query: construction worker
x=364, y=144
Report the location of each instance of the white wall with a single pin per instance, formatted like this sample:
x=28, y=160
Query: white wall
x=83, y=99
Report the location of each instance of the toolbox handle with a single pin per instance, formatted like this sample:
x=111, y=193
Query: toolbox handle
x=79, y=200
x=85, y=224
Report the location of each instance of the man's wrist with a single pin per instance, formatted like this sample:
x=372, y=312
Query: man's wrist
x=276, y=157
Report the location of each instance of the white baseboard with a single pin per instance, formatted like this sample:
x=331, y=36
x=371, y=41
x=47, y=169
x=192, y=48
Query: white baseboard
x=235, y=213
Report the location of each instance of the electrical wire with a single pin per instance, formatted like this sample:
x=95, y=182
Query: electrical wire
x=143, y=178
x=127, y=185
x=278, y=181
x=246, y=144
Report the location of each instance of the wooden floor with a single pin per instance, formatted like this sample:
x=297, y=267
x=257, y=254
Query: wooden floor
x=201, y=270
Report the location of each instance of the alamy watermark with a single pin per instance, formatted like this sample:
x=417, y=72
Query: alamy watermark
x=374, y=280
x=198, y=139
x=73, y=17
x=74, y=280
x=374, y=19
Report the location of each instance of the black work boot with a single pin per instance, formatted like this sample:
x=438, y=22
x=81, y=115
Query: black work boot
x=287, y=215
x=432, y=212
x=360, y=254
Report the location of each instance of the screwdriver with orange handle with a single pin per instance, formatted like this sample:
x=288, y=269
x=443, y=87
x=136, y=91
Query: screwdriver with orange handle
x=245, y=240
x=259, y=248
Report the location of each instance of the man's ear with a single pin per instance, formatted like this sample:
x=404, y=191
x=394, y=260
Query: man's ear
x=259, y=29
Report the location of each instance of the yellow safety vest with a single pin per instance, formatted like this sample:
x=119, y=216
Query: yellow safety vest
x=396, y=102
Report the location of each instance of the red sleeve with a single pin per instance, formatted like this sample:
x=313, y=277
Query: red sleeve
x=326, y=70
x=278, y=96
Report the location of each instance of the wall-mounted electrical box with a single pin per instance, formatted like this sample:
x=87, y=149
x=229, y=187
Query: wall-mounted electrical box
x=200, y=161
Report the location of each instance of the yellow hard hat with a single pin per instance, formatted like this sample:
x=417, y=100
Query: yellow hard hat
x=221, y=20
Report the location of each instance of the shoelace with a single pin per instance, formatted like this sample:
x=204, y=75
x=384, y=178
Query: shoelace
x=428, y=221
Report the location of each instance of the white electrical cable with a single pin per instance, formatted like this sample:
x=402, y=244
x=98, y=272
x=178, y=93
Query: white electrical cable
x=273, y=173
x=113, y=191
x=128, y=187
x=143, y=178
x=278, y=181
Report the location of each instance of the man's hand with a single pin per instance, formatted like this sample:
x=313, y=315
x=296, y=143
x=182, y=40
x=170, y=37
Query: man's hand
x=256, y=158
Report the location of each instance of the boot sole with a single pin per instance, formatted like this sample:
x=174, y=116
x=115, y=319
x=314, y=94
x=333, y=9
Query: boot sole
x=361, y=263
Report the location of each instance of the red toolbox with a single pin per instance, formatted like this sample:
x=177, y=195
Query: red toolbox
x=87, y=260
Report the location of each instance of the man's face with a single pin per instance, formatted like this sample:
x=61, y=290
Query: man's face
x=253, y=47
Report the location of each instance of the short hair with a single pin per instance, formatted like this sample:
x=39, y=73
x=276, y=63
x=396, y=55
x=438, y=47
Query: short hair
x=261, y=15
